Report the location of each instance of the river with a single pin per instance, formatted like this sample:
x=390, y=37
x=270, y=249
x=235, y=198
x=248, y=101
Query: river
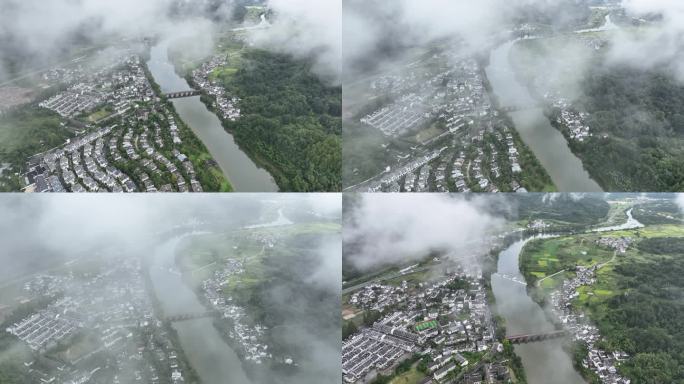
x=209, y=355
x=547, y=143
x=542, y=360
x=243, y=173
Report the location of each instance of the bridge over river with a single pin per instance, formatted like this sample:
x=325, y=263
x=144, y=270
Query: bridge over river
x=181, y=94
x=531, y=338
x=518, y=108
x=192, y=316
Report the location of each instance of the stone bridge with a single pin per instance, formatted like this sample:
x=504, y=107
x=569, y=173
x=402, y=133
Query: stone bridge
x=192, y=316
x=531, y=338
x=518, y=108
x=178, y=95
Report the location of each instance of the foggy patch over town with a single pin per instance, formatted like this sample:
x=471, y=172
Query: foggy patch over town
x=161, y=288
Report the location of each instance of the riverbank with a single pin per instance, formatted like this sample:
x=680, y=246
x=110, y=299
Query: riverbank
x=548, y=145
x=200, y=341
x=523, y=315
x=236, y=165
x=209, y=174
x=261, y=162
x=566, y=273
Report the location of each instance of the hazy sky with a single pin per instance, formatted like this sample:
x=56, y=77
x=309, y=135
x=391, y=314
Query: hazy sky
x=307, y=28
x=39, y=30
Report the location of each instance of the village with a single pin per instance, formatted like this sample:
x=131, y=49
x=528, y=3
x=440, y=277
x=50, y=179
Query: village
x=446, y=322
x=225, y=104
x=475, y=151
x=569, y=118
x=247, y=336
x=106, y=318
x=602, y=363
x=135, y=147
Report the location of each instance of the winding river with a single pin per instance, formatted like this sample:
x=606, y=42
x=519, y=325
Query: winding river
x=547, y=143
x=213, y=359
x=209, y=355
x=542, y=360
x=243, y=173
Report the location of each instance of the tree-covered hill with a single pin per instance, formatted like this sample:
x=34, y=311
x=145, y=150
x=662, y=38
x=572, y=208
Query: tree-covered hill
x=290, y=120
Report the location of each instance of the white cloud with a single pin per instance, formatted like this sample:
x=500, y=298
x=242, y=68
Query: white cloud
x=393, y=229
x=306, y=28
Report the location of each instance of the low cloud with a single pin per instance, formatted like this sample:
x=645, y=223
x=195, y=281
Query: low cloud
x=395, y=229
x=306, y=29
x=680, y=201
x=658, y=45
x=35, y=33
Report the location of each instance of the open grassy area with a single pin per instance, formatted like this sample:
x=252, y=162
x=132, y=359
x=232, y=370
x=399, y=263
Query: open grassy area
x=98, y=115
x=413, y=376
x=541, y=258
x=201, y=255
x=28, y=131
x=428, y=133
x=426, y=325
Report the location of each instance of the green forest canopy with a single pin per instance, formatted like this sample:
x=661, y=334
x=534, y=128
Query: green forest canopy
x=291, y=121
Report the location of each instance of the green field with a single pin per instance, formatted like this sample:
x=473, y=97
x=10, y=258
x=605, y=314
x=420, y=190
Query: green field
x=29, y=131
x=200, y=256
x=426, y=325
x=542, y=258
x=98, y=115
x=413, y=376
x=635, y=299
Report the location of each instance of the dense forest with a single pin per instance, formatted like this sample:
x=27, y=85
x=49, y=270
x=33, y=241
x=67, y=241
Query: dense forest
x=638, y=126
x=646, y=320
x=580, y=209
x=291, y=121
x=658, y=212
x=282, y=301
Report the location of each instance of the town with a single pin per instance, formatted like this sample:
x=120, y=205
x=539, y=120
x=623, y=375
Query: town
x=130, y=140
x=445, y=324
x=462, y=143
x=97, y=325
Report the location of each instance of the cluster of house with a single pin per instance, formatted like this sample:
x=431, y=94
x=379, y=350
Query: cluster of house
x=437, y=320
x=481, y=169
x=87, y=164
x=403, y=115
x=247, y=335
x=620, y=244
x=78, y=98
x=458, y=99
x=393, y=178
x=226, y=105
x=573, y=120
x=116, y=84
x=377, y=296
x=113, y=307
x=44, y=329
x=603, y=363
x=451, y=96
x=538, y=225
